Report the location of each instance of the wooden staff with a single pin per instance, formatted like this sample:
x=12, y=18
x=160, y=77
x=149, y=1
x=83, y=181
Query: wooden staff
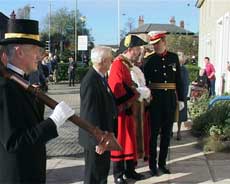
x=106, y=139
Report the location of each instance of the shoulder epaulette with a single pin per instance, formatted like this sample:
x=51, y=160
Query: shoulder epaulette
x=148, y=54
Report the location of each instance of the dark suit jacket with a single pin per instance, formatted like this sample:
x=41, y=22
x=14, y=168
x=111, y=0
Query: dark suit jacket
x=97, y=106
x=23, y=135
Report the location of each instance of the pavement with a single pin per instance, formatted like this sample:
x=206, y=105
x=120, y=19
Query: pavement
x=186, y=159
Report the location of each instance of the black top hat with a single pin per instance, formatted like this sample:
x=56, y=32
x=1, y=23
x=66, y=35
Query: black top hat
x=130, y=41
x=22, y=31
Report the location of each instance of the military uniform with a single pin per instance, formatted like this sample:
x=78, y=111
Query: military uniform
x=162, y=74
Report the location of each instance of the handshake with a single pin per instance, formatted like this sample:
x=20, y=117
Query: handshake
x=61, y=113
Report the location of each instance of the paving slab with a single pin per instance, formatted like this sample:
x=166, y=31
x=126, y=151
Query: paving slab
x=186, y=160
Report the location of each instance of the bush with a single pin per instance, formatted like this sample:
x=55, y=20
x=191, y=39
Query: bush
x=198, y=106
x=63, y=71
x=81, y=71
x=217, y=116
x=193, y=71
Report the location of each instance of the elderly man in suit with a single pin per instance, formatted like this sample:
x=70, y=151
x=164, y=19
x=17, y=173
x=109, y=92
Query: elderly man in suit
x=24, y=133
x=98, y=107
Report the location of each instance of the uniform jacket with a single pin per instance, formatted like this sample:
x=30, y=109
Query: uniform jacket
x=164, y=69
x=23, y=135
x=97, y=107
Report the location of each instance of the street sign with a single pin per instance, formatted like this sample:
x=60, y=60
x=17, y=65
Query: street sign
x=83, y=42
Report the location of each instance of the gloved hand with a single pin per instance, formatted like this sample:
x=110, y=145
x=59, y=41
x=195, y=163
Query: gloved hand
x=181, y=105
x=61, y=113
x=144, y=93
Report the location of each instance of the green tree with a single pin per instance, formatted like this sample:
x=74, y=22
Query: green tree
x=188, y=44
x=62, y=29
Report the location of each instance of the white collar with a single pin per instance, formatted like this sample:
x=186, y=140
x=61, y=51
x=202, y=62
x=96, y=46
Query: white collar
x=15, y=69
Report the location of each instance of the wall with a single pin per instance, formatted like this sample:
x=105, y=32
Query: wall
x=214, y=38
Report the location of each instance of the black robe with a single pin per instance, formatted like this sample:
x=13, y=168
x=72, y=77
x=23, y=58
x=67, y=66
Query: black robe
x=23, y=135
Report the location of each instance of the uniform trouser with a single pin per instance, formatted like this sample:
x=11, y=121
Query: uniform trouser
x=161, y=121
x=121, y=167
x=96, y=167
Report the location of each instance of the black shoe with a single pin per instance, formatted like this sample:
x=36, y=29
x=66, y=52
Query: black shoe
x=164, y=170
x=120, y=180
x=146, y=158
x=178, y=137
x=134, y=175
x=154, y=172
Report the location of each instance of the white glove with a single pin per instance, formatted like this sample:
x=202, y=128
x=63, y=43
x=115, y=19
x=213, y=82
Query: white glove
x=144, y=93
x=61, y=113
x=181, y=105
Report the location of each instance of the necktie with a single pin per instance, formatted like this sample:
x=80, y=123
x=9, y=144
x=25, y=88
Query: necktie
x=105, y=81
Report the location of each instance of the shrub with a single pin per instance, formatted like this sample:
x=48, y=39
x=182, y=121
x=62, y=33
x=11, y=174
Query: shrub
x=213, y=145
x=215, y=116
x=193, y=71
x=81, y=71
x=63, y=71
x=199, y=106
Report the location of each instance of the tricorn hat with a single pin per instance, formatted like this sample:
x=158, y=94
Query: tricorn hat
x=22, y=31
x=130, y=41
x=155, y=36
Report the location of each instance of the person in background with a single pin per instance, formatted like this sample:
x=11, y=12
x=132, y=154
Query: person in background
x=54, y=66
x=193, y=60
x=202, y=79
x=71, y=71
x=125, y=93
x=210, y=72
x=139, y=106
x=98, y=107
x=24, y=134
x=228, y=66
x=3, y=57
x=38, y=79
x=163, y=77
x=185, y=82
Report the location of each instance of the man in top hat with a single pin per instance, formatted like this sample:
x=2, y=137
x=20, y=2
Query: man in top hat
x=162, y=73
x=23, y=130
x=122, y=87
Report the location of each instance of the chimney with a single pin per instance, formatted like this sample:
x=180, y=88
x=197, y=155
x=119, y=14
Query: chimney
x=182, y=24
x=13, y=15
x=140, y=21
x=172, y=20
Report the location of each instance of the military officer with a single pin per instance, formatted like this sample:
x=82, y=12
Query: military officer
x=162, y=73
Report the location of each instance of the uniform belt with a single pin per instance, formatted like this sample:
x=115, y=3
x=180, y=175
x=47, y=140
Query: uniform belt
x=162, y=86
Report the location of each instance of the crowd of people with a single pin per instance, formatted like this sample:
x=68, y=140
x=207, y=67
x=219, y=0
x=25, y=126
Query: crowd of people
x=137, y=95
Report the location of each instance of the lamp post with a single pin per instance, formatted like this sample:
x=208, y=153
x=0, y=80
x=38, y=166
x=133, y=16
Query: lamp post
x=49, y=24
x=83, y=19
x=118, y=22
x=75, y=32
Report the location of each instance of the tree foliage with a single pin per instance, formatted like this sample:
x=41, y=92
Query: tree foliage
x=187, y=44
x=62, y=29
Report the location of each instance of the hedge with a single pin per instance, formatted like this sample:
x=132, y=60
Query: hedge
x=63, y=71
x=193, y=72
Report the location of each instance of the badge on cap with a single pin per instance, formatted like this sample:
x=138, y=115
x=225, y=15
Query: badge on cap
x=127, y=41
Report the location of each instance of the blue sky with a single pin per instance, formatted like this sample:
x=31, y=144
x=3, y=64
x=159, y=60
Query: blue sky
x=102, y=15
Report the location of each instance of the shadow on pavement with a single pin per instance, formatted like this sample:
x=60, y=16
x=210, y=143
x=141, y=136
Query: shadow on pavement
x=65, y=175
